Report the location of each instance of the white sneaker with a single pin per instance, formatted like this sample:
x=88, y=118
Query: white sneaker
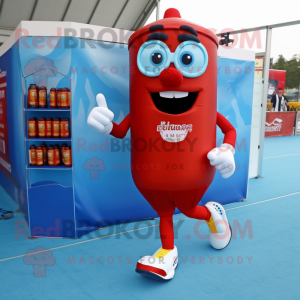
x=219, y=228
x=160, y=266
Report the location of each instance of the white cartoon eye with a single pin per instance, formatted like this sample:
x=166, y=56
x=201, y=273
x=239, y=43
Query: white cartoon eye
x=153, y=58
x=191, y=59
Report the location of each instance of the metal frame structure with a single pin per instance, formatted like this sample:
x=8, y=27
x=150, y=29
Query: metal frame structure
x=266, y=68
x=157, y=9
x=297, y=123
x=145, y=15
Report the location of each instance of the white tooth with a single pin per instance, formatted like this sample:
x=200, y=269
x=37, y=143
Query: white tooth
x=167, y=94
x=181, y=94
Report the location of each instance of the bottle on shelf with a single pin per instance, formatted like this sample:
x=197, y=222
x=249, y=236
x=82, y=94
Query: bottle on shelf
x=32, y=96
x=62, y=151
x=58, y=98
x=67, y=156
x=64, y=128
x=56, y=155
x=42, y=127
x=32, y=155
x=45, y=150
x=32, y=128
x=51, y=156
x=69, y=98
x=56, y=128
x=64, y=98
x=37, y=92
x=49, y=127
x=39, y=156
x=42, y=97
x=53, y=98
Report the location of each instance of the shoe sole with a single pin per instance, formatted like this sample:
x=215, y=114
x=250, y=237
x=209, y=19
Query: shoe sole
x=155, y=276
x=229, y=240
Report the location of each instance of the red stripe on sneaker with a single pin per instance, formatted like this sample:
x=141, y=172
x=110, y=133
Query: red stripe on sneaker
x=151, y=269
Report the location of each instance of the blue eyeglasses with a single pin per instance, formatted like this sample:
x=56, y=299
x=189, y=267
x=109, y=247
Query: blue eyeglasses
x=190, y=58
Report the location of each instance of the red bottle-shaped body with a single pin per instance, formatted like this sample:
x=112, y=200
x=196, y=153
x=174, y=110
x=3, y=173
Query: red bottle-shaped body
x=171, y=136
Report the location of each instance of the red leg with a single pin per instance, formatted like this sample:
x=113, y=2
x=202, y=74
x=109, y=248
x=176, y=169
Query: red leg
x=167, y=232
x=198, y=212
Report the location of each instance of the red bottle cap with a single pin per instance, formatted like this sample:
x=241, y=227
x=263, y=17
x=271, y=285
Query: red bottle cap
x=172, y=13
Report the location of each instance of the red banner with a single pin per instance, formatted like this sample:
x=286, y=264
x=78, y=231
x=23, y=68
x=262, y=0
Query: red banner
x=279, y=123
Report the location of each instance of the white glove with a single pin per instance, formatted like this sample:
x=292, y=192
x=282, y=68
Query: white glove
x=223, y=160
x=100, y=118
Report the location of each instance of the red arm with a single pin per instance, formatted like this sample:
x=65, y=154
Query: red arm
x=119, y=131
x=227, y=129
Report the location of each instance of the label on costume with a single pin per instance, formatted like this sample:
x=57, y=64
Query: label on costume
x=174, y=133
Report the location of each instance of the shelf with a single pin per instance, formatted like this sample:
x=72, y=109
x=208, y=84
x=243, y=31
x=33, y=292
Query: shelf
x=47, y=109
x=61, y=167
x=49, y=139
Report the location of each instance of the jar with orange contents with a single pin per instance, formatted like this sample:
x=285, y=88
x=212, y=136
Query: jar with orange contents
x=42, y=97
x=58, y=99
x=32, y=96
x=39, y=156
x=53, y=98
x=69, y=98
x=62, y=151
x=49, y=127
x=64, y=128
x=32, y=155
x=56, y=128
x=67, y=157
x=64, y=98
x=56, y=155
x=51, y=161
x=42, y=127
x=45, y=150
x=32, y=127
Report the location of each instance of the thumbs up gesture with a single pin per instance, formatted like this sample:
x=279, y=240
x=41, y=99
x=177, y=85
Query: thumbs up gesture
x=100, y=118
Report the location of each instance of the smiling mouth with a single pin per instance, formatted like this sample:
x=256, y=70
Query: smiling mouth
x=174, y=102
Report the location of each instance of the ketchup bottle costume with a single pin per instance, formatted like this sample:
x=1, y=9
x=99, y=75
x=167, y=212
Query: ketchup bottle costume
x=173, y=118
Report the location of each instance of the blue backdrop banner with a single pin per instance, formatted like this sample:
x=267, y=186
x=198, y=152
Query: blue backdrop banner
x=100, y=190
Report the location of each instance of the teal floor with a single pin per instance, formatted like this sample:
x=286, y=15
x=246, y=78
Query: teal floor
x=260, y=263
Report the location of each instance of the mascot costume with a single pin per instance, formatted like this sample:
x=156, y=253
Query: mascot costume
x=173, y=107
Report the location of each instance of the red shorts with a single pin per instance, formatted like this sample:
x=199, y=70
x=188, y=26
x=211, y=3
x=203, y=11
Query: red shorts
x=165, y=202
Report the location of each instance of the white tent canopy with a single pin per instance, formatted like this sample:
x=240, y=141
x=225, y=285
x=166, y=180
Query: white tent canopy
x=125, y=14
